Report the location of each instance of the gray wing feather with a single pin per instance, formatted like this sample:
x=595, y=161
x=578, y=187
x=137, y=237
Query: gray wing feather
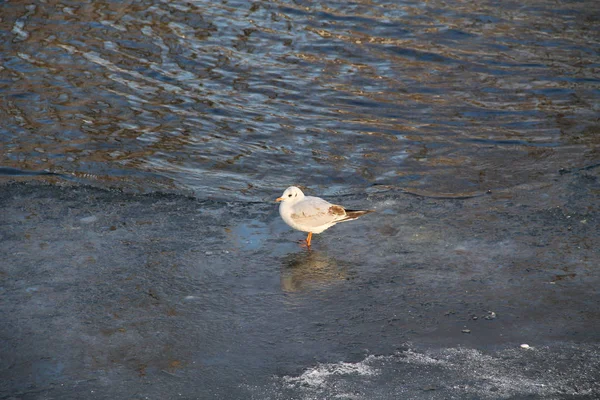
x=313, y=212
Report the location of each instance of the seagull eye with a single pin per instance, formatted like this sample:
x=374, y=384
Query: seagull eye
x=290, y=195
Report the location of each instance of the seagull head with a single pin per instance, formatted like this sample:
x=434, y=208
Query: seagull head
x=291, y=195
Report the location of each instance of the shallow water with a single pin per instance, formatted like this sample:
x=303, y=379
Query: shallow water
x=472, y=129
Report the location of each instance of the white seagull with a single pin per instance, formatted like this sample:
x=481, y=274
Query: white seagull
x=312, y=214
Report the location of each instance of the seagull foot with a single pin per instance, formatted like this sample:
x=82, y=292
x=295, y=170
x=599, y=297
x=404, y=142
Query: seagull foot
x=304, y=244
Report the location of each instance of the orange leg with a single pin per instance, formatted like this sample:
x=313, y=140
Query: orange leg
x=308, y=239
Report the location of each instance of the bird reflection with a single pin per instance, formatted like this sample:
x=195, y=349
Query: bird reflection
x=309, y=270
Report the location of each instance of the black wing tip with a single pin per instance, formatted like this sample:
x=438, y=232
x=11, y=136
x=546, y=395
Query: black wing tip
x=361, y=212
x=353, y=214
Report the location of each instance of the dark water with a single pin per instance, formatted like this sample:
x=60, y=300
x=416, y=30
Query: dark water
x=471, y=127
x=243, y=99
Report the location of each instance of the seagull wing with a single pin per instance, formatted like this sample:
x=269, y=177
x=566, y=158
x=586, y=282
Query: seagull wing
x=315, y=212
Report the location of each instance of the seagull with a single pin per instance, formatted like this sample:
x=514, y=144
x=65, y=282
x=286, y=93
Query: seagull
x=312, y=214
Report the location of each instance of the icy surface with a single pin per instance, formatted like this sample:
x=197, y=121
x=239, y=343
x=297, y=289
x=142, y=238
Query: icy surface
x=135, y=296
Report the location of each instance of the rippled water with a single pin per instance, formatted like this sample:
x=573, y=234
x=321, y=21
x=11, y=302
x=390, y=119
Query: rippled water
x=242, y=99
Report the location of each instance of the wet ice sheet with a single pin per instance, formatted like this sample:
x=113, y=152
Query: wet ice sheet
x=149, y=295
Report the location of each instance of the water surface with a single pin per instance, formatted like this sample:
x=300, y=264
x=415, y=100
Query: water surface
x=239, y=99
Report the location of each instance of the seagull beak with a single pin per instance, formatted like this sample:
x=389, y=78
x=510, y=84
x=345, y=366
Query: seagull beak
x=279, y=199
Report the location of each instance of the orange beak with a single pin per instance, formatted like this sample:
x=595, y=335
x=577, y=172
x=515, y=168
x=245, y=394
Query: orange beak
x=279, y=199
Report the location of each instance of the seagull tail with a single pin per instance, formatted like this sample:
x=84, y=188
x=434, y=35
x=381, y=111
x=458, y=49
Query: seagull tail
x=353, y=214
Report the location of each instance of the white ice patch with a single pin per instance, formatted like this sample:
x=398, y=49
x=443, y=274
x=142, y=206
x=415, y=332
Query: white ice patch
x=319, y=376
x=422, y=359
